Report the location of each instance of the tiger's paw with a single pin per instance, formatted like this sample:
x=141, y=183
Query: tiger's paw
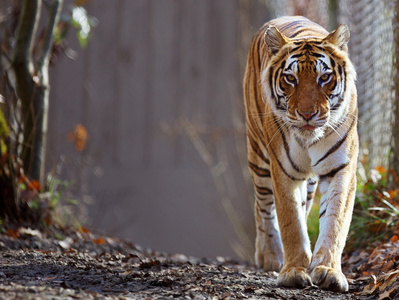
x=268, y=261
x=294, y=277
x=329, y=279
x=269, y=251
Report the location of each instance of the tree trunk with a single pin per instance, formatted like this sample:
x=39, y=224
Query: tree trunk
x=32, y=83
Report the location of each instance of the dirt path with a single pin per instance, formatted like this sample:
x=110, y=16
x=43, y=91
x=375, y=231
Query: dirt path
x=84, y=266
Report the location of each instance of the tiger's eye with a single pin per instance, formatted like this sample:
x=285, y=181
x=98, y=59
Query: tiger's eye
x=290, y=79
x=324, y=78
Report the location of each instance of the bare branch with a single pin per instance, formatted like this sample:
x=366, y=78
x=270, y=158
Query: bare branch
x=26, y=30
x=54, y=7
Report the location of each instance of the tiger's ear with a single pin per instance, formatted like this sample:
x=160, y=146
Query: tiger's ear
x=339, y=37
x=274, y=39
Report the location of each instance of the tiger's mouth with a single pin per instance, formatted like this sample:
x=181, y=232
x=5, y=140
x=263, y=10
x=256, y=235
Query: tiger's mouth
x=309, y=130
x=308, y=127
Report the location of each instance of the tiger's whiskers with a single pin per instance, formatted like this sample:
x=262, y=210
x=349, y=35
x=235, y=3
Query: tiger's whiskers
x=279, y=129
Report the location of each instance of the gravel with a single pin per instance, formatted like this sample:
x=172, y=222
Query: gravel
x=83, y=265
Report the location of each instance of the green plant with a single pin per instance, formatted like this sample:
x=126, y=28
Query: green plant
x=376, y=211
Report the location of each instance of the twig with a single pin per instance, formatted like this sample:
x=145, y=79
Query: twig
x=54, y=8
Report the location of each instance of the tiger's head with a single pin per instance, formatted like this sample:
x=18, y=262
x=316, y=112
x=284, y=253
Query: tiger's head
x=307, y=80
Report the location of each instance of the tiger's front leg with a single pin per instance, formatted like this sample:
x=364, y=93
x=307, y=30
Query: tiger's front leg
x=336, y=207
x=289, y=196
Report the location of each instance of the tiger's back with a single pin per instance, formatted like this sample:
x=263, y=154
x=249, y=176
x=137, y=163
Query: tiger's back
x=301, y=118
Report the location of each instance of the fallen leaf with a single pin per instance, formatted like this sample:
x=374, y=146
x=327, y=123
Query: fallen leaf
x=387, y=266
x=99, y=241
x=394, y=239
x=44, y=252
x=79, y=137
x=34, y=184
x=369, y=289
x=13, y=233
x=387, y=283
x=84, y=230
x=384, y=295
x=388, y=294
x=392, y=193
x=71, y=250
x=380, y=169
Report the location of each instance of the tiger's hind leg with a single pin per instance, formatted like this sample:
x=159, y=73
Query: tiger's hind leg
x=311, y=191
x=268, y=251
x=268, y=245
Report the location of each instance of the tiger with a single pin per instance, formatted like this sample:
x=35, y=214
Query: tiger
x=301, y=127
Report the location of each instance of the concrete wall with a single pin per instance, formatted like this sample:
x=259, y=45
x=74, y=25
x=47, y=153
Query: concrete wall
x=159, y=91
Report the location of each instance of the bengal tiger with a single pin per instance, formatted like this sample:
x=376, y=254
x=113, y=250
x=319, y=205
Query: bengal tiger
x=301, y=122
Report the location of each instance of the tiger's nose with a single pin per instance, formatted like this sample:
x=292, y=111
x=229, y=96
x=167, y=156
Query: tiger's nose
x=307, y=115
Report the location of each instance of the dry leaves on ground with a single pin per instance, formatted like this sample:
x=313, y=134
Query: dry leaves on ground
x=379, y=267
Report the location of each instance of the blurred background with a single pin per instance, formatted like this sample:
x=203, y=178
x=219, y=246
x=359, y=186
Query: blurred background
x=156, y=94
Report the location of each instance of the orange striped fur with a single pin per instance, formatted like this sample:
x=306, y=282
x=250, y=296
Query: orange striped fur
x=301, y=119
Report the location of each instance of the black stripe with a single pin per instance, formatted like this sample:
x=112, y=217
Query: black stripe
x=260, y=172
x=258, y=151
x=336, y=145
x=338, y=104
x=298, y=32
x=334, y=86
x=254, y=130
x=307, y=47
x=289, y=25
x=344, y=81
x=289, y=66
x=277, y=81
x=271, y=82
x=263, y=190
x=256, y=67
x=296, y=48
x=297, y=55
x=316, y=55
x=333, y=171
x=340, y=71
x=322, y=213
x=332, y=62
x=260, y=229
x=287, y=150
x=265, y=211
x=285, y=172
x=266, y=197
x=331, y=97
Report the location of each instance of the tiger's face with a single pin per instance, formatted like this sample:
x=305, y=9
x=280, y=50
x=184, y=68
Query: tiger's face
x=305, y=80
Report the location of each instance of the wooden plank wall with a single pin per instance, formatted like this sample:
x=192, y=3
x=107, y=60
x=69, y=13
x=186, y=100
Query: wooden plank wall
x=153, y=69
